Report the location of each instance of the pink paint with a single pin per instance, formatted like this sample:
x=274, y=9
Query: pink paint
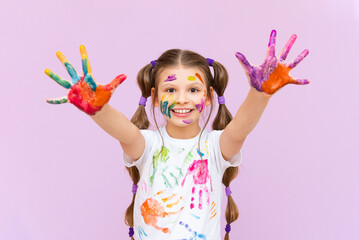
x=171, y=78
x=189, y=121
x=200, y=106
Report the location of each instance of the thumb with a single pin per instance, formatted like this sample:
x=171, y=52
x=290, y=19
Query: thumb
x=117, y=81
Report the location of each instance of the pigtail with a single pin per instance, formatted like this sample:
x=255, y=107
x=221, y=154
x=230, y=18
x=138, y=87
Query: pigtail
x=221, y=120
x=139, y=119
x=220, y=81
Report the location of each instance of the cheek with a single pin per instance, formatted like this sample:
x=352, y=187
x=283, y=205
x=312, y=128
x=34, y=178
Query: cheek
x=200, y=106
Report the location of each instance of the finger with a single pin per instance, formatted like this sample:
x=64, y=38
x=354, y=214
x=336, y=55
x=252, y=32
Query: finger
x=91, y=82
x=85, y=61
x=298, y=59
x=300, y=81
x=243, y=60
x=271, y=44
x=70, y=69
x=117, y=81
x=287, y=47
x=58, y=79
x=57, y=100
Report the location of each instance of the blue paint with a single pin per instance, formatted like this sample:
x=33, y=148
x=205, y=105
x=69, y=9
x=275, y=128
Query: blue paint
x=200, y=153
x=141, y=232
x=195, y=216
x=85, y=66
x=70, y=69
x=89, y=80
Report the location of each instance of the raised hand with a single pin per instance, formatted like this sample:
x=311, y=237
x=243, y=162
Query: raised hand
x=85, y=93
x=273, y=74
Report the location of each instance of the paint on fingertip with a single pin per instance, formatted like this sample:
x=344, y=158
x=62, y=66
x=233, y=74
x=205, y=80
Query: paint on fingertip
x=199, y=76
x=191, y=78
x=171, y=78
x=189, y=121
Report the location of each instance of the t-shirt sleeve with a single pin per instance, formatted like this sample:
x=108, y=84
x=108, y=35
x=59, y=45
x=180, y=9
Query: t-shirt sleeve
x=221, y=163
x=129, y=162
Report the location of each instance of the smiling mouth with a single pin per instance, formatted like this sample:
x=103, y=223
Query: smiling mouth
x=182, y=111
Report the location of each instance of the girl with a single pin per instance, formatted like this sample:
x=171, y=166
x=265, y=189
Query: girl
x=177, y=169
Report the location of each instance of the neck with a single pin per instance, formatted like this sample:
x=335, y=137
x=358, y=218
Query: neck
x=185, y=132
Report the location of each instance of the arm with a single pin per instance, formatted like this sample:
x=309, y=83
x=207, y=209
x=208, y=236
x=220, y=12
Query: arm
x=245, y=120
x=118, y=126
x=265, y=80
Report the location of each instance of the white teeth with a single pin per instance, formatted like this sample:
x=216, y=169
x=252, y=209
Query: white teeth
x=181, y=111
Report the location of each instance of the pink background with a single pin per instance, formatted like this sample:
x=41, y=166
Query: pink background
x=62, y=176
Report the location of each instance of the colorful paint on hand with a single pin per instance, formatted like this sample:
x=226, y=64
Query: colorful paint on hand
x=84, y=92
x=167, y=104
x=273, y=74
x=171, y=78
x=189, y=121
x=200, y=173
x=201, y=105
x=153, y=209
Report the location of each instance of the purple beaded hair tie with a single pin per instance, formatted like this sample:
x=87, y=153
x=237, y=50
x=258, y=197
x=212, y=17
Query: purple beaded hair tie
x=210, y=61
x=228, y=191
x=134, y=188
x=228, y=228
x=153, y=63
x=131, y=232
x=143, y=101
x=221, y=100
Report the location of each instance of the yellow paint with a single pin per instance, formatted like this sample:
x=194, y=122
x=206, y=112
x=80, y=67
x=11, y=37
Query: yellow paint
x=191, y=78
x=61, y=57
x=84, y=56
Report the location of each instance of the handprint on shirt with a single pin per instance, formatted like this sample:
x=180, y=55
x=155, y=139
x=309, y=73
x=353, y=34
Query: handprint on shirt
x=195, y=235
x=169, y=176
x=273, y=74
x=199, y=170
x=152, y=209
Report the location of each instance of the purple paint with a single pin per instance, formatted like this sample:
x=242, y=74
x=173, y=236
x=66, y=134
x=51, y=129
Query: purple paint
x=200, y=106
x=189, y=121
x=171, y=78
x=260, y=74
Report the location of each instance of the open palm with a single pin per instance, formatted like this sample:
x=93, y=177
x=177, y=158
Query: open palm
x=85, y=93
x=273, y=74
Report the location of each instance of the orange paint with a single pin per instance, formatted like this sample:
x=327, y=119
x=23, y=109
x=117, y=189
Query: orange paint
x=204, y=95
x=199, y=76
x=277, y=79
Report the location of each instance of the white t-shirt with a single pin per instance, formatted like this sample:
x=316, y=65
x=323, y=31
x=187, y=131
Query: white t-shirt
x=179, y=195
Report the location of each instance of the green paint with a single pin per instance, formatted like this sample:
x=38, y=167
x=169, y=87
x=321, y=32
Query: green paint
x=59, y=80
x=189, y=158
x=57, y=101
x=163, y=157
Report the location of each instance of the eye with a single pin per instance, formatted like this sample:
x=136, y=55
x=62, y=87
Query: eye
x=171, y=90
x=194, y=90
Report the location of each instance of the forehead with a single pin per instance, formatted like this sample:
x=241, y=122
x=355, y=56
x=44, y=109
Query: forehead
x=181, y=74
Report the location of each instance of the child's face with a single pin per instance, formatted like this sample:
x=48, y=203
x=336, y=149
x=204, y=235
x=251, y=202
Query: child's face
x=182, y=95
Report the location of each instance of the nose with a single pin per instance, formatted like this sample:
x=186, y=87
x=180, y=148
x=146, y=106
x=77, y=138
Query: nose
x=182, y=97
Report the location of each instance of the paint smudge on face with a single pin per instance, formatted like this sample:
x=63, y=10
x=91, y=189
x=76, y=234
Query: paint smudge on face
x=152, y=209
x=204, y=95
x=199, y=76
x=171, y=78
x=165, y=106
x=191, y=78
x=189, y=121
x=200, y=106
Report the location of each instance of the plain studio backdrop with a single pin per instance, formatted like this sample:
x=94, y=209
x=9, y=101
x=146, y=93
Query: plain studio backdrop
x=62, y=176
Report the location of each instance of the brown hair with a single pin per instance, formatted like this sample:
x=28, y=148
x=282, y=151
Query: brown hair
x=146, y=79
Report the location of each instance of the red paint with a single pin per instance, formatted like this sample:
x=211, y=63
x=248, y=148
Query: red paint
x=199, y=76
